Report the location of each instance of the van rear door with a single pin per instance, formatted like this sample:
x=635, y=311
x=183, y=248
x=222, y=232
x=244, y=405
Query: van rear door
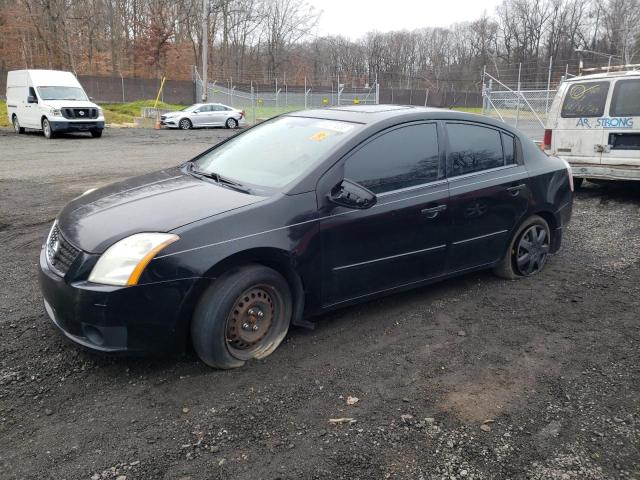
x=621, y=131
x=577, y=132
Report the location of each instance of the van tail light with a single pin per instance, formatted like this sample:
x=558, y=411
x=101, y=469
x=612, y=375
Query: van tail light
x=569, y=173
x=548, y=134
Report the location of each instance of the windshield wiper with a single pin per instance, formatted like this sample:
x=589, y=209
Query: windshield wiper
x=219, y=179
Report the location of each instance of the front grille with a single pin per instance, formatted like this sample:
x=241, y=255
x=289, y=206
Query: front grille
x=60, y=252
x=79, y=113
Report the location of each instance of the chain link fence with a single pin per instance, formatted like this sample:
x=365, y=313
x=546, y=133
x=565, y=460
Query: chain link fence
x=261, y=101
x=526, y=110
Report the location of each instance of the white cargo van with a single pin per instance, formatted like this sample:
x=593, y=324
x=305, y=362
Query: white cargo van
x=51, y=101
x=594, y=124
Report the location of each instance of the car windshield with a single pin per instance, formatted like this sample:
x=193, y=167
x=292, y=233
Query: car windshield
x=62, y=93
x=277, y=152
x=189, y=108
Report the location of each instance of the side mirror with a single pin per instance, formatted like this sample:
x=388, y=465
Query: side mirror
x=91, y=99
x=351, y=195
x=32, y=99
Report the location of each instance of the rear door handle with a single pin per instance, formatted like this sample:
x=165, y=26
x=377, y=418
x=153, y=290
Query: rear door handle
x=433, y=212
x=515, y=189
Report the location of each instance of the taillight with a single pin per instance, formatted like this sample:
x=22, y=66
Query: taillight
x=548, y=134
x=242, y=113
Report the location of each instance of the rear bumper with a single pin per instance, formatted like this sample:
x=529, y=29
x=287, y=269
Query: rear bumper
x=605, y=172
x=76, y=126
x=146, y=318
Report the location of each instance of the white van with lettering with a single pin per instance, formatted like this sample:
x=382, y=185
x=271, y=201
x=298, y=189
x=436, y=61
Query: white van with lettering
x=52, y=101
x=594, y=124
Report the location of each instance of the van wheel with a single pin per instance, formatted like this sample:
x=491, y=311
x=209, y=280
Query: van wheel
x=245, y=314
x=96, y=133
x=46, y=129
x=528, y=250
x=16, y=125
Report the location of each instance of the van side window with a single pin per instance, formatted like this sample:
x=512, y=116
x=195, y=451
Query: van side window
x=626, y=99
x=585, y=100
x=473, y=148
x=401, y=158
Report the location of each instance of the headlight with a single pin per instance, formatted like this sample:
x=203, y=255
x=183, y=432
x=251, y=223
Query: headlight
x=99, y=112
x=124, y=261
x=56, y=112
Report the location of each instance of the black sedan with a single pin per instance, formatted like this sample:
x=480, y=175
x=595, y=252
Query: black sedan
x=301, y=214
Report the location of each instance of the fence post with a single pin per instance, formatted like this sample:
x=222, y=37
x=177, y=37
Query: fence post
x=426, y=97
x=253, y=105
x=276, y=92
x=546, y=108
x=519, y=93
x=338, y=89
x=122, y=82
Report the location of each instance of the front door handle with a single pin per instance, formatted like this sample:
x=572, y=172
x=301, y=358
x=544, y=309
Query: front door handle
x=433, y=212
x=515, y=189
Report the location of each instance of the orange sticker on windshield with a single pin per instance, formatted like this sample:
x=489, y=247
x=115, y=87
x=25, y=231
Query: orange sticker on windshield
x=318, y=137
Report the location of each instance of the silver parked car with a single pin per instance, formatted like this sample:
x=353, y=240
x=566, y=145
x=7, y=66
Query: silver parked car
x=204, y=115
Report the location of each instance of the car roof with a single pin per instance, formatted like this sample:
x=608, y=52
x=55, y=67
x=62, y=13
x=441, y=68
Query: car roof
x=604, y=75
x=372, y=114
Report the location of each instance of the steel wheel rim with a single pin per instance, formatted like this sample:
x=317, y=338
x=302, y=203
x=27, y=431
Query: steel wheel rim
x=251, y=321
x=533, y=248
x=16, y=124
x=46, y=128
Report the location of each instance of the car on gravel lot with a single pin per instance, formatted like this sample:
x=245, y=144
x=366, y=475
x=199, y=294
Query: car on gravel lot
x=204, y=115
x=296, y=216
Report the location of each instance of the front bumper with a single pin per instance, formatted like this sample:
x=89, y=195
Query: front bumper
x=145, y=318
x=84, y=126
x=605, y=172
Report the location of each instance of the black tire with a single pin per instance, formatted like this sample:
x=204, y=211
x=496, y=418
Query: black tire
x=16, y=125
x=577, y=182
x=231, y=123
x=513, y=265
x=225, y=330
x=185, y=124
x=96, y=133
x=47, y=130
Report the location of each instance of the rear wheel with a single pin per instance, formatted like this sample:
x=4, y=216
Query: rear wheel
x=231, y=123
x=185, y=124
x=245, y=314
x=528, y=250
x=577, y=182
x=46, y=129
x=16, y=125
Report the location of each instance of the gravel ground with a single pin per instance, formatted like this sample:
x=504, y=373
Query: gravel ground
x=473, y=378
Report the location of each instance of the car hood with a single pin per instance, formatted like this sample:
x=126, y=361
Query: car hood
x=157, y=202
x=68, y=104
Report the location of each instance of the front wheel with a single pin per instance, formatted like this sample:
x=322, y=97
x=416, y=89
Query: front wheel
x=46, y=129
x=577, y=182
x=528, y=250
x=96, y=133
x=16, y=125
x=231, y=123
x=245, y=314
x=185, y=124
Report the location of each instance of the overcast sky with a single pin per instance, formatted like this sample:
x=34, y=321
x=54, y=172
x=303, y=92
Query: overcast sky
x=353, y=18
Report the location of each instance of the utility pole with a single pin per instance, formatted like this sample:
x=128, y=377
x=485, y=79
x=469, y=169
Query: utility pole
x=205, y=45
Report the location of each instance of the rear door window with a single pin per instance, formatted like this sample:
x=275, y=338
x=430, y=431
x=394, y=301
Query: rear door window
x=626, y=99
x=401, y=158
x=585, y=99
x=473, y=148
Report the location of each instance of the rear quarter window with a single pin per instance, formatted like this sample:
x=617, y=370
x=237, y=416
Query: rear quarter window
x=586, y=99
x=625, y=101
